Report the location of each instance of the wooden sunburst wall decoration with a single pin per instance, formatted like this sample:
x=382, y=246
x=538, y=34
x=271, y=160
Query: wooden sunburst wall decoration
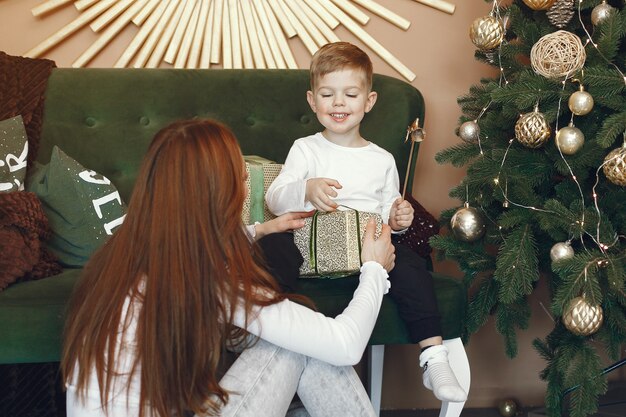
x=230, y=33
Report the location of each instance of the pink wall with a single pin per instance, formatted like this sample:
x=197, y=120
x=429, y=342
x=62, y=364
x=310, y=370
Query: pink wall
x=437, y=48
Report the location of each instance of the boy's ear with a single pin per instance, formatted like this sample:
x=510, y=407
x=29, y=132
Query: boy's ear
x=311, y=99
x=371, y=100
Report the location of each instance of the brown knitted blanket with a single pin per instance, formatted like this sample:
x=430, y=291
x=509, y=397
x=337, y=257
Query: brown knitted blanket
x=23, y=223
x=22, y=87
x=23, y=231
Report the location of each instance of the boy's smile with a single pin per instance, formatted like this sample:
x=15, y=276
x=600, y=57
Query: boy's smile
x=340, y=101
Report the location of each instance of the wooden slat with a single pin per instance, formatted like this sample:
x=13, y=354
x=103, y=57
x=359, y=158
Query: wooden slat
x=84, y=4
x=352, y=11
x=143, y=34
x=270, y=48
x=323, y=13
x=108, y=16
x=69, y=29
x=385, y=13
x=185, y=46
x=277, y=33
x=205, y=57
x=216, y=35
x=235, y=41
x=227, y=50
x=253, y=34
x=289, y=30
x=179, y=32
x=198, y=38
x=109, y=33
x=246, y=49
x=440, y=5
x=164, y=40
x=48, y=6
x=319, y=23
x=304, y=35
x=146, y=12
x=306, y=22
x=368, y=40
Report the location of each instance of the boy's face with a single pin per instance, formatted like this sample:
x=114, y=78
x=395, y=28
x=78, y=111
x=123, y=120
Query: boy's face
x=340, y=100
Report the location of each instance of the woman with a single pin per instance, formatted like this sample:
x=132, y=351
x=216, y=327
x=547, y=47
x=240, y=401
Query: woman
x=178, y=283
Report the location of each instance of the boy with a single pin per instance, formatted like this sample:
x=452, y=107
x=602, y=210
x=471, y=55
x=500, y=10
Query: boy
x=339, y=167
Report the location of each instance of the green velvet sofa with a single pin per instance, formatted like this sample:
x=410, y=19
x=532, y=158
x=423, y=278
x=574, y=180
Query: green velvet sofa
x=105, y=119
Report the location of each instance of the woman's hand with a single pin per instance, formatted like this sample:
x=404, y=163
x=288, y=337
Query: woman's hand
x=283, y=223
x=379, y=250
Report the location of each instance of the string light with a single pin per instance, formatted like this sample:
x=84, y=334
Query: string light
x=595, y=45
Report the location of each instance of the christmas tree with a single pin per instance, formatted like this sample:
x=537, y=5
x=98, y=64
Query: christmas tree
x=544, y=144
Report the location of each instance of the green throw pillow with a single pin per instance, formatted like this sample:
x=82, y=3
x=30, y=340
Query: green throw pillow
x=13, y=154
x=83, y=207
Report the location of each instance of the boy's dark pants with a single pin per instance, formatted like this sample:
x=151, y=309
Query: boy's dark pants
x=412, y=286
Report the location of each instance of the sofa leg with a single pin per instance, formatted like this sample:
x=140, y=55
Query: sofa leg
x=375, y=375
x=460, y=367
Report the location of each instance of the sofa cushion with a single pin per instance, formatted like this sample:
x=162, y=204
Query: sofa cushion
x=331, y=296
x=13, y=154
x=83, y=207
x=32, y=314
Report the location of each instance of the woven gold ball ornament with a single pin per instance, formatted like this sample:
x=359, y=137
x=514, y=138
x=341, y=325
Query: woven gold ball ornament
x=580, y=102
x=558, y=54
x=614, y=167
x=539, y=4
x=486, y=33
x=532, y=130
x=582, y=318
x=467, y=224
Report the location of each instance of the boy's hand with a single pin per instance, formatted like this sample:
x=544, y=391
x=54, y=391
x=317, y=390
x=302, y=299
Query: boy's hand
x=288, y=221
x=401, y=214
x=319, y=192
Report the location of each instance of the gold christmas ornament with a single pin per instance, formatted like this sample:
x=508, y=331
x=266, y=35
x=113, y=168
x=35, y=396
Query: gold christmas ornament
x=561, y=251
x=532, y=130
x=581, y=318
x=580, y=102
x=558, y=54
x=467, y=224
x=614, y=167
x=539, y=4
x=569, y=139
x=415, y=132
x=469, y=131
x=561, y=13
x=486, y=33
x=600, y=13
x=507, y=408
x=417, y=135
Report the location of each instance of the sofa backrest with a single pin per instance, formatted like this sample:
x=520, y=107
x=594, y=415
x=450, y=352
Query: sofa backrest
x=105, y=118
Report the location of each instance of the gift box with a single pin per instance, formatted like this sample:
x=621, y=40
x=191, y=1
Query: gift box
x=330, y=242
x=261, y=173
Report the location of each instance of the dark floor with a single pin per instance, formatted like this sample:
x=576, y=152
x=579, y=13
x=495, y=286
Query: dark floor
x=613, y=404
x=469, y=412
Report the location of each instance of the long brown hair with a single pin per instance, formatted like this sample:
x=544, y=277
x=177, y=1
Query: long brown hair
x=183, y=239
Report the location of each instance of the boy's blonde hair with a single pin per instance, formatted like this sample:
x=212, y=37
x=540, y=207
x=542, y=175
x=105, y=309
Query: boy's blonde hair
x=337, y=56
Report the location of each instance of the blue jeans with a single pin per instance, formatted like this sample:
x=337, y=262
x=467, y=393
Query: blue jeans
x=263, y=380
